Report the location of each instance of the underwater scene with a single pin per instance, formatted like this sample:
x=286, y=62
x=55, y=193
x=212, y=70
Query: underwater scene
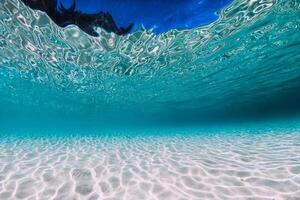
x=158, y=100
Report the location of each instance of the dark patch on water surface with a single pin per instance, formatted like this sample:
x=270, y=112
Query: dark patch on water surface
x=87, y=22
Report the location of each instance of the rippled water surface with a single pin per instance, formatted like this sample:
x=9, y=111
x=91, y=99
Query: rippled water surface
x=247, y=61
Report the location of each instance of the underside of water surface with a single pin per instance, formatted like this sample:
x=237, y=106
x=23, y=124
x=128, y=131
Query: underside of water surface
x=159, y=16
x=243, y=65
x=208, y=112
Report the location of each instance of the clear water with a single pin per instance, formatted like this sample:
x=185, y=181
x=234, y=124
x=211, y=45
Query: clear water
x=192, y=164
x=244, y=64
x=191, y=114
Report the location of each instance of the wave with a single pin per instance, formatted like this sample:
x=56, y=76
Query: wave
x=248, y=60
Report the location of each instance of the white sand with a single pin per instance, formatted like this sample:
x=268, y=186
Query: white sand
x=263, y=166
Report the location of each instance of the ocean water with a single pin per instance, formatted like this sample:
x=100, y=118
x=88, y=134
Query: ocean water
x=206, y=113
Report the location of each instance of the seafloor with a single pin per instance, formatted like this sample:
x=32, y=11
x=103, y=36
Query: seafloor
x=228, y=164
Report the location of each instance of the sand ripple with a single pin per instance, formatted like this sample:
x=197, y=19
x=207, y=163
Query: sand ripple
x=240, y=166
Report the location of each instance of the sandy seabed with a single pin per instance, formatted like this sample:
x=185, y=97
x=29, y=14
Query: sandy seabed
x=194, y=166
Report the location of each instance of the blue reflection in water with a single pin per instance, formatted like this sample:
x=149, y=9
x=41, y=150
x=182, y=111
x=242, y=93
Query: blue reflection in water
x=161, y=16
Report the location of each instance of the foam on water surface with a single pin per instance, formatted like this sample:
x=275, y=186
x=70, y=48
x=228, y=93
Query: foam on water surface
x=261, y=164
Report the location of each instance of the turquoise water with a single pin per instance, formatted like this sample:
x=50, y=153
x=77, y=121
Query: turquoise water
x=244, y=65
x=206, y=113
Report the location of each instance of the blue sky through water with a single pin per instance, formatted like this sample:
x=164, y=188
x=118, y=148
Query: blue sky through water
x=162, y=15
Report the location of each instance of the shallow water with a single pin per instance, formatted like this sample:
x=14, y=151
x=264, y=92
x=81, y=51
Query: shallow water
x=149, y=116
x=244, y=64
